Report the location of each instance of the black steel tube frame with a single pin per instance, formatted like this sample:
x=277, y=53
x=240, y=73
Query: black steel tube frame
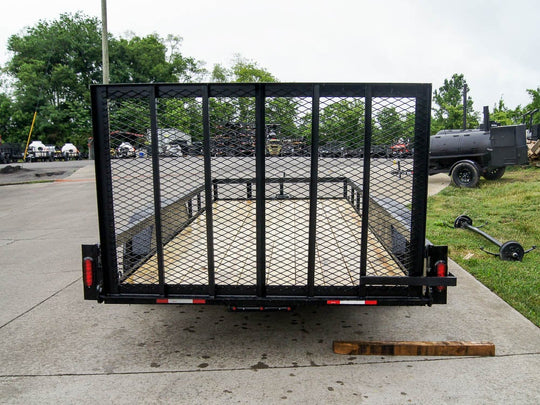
x=314, y=174
x=260, y=196
x=157, y=189
x=408, y=287
x=210, y=190
x=365, y=190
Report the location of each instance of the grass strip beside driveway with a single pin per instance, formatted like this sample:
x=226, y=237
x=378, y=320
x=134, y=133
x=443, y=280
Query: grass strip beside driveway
x=511, y=208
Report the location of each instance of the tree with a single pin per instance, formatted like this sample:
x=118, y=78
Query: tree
x=534, y=104
x=393, y=125
x=239, y=109
x=5, y=115
x=53, y=65
x=504, y=115
x=55, y=62
x=341, y=123
x=150, y=59
x=449, y=98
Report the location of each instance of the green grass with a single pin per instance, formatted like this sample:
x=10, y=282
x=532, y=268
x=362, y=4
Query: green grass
x=511, y=208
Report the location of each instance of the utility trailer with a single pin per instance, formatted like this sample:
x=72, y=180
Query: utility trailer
x=252, y=231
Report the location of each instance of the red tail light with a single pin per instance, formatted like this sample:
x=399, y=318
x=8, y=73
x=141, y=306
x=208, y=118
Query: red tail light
x=441, y=270
x=88, y=271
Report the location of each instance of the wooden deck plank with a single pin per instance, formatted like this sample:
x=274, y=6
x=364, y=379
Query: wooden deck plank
x=379, y=262
x=287, y=232
x=287, y=239
x=331, y=245
x=234, y=242
x=414, y=348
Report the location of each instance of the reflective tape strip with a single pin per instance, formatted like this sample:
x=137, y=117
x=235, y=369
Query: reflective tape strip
x=352, y=302
x=180, y=301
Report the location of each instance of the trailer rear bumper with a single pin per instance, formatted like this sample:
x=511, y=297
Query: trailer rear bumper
x=377, y=290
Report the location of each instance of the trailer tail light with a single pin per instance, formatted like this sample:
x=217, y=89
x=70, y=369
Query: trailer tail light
x=88, y=271
x=441, y=270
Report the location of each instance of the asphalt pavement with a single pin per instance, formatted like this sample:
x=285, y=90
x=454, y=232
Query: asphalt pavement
x=58, y=348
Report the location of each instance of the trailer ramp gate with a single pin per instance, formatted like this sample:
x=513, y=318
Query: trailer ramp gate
x=261, y=195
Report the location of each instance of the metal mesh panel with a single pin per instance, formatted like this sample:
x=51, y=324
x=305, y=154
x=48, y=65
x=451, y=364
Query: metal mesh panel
x=232, y=142
x=228, y=186
x=287, y=173
x=341, y=152
x=131, y=180
x=181, y=177
x=391, y=179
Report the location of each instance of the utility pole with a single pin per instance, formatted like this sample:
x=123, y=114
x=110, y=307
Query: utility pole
x=104, y=42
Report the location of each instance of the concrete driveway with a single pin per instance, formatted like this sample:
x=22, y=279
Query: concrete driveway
x=58, y=348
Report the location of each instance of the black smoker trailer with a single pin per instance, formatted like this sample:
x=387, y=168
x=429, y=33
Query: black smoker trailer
x=239, y=226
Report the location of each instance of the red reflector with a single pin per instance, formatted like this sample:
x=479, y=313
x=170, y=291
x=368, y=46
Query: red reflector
x=441, y=271
x=199, y=301
x=162, y=301
x=333, y=302
x=88, y=270
x=372, y=302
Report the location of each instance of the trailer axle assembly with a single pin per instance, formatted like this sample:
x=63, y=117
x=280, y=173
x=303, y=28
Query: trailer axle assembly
x=510, y=251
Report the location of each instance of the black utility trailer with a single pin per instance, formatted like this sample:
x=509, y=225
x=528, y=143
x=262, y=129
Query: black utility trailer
x=253, y=231
x=10, y=153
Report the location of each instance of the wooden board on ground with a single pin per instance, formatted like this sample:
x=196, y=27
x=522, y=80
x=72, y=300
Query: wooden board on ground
x=287, y=233
x=413, y=348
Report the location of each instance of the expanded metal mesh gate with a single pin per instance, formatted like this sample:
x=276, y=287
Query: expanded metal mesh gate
x=262, y=190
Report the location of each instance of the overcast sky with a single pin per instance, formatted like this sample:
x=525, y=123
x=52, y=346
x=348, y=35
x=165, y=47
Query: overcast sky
x=495, y=44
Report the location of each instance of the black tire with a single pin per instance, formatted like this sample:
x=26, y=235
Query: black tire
x=494, y=174
x=465, y=174
x=511, y=251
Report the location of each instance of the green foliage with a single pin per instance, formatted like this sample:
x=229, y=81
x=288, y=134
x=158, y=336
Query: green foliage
x=534, y=104
x=242, y=109
x=149, y=60
x=55, y=62
x=504, y=115
x=5, y=114
x=391, y=125
x=449, y=99
x=242, y=71
x=343, y=121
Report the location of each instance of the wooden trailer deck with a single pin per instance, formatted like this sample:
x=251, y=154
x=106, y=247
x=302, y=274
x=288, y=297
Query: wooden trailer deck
x=287, y=225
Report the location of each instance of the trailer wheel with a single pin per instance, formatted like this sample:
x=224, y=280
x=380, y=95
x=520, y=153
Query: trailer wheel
x=465, y=174
x=494, y=174
x=511, y=251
